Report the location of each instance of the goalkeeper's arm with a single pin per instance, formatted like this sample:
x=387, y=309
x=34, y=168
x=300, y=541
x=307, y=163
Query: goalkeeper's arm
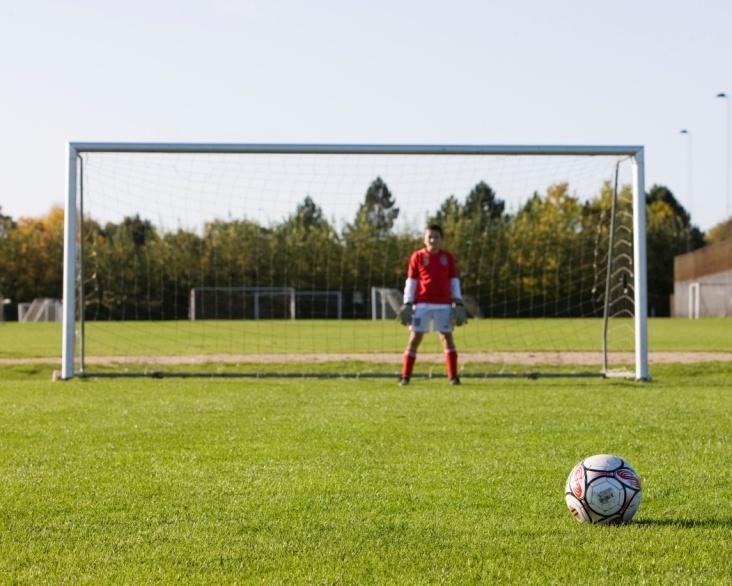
x=410, y=289
x=461, y=316
x=457, y=295
x=407, y=308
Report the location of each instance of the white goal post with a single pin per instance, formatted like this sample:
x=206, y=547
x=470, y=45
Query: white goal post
x=83, y=160
x=323, y=295
x=41, y=309
x=385, y=302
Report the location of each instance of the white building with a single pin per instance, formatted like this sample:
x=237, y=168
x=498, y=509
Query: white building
x=703, y=282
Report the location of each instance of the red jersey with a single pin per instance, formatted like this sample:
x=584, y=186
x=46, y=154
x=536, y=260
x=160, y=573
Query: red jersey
x=433, y=273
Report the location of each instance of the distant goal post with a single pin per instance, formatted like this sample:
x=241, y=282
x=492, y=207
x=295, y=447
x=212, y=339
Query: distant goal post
x=83, y=158
x=261, y=303
x=241, y=303
x=385, y=302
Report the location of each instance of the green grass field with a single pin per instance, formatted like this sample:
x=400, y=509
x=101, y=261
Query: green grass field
x=185, y=338
x=358, y=481
x=211, y=481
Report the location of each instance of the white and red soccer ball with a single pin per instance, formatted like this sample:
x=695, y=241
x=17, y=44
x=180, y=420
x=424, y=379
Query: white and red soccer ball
x=603, y=489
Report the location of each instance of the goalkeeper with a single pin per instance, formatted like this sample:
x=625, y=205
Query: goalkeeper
x=432, y=294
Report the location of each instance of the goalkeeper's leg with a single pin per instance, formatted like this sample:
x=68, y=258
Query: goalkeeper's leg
x=451, y=357
x=410, y=356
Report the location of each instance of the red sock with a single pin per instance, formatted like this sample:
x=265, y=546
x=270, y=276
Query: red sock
x=451, y=362
x=408, y=363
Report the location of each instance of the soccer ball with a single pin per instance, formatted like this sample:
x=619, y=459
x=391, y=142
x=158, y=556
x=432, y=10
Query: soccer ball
x=603, y=489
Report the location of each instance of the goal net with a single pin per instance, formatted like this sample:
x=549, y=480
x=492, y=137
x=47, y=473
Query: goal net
x=259, y=260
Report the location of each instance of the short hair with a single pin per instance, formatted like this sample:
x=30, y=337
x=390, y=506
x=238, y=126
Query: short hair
x=437, y=228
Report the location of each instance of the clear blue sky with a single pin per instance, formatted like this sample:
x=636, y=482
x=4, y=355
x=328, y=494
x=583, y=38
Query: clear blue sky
x=383, y=71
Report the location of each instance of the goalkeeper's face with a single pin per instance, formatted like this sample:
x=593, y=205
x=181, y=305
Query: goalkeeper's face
x=432, y=240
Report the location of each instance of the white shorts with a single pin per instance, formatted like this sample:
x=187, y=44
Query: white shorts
x=440, y=314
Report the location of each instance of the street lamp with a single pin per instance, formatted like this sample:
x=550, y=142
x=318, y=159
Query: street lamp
x=690, y=183
x=728, y=198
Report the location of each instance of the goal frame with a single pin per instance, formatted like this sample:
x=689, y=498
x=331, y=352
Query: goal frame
x=257, y=292
x=634, y=152
x=375, y=293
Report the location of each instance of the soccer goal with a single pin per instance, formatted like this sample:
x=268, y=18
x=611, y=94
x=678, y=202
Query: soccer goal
x=319, y=304
x=41, y=309
x=385, y=302
x=273, y=259
x=242, y=303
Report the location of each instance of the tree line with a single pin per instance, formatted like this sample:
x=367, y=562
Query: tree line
x=547, y=258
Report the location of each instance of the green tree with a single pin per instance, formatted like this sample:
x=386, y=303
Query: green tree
x=370, y=247
x=309, y=249
x=669, y=233
x=607, y=252
x=308, y=216
x=376, y=215
x=137, y=230
x=682, y=226
x=123, y=274
x=544, y=248
x=180, y=257
x=482, y=205
x=476, y=233
x=6, y=224
x=448, y=215
x=6, y=251
x=237, y=253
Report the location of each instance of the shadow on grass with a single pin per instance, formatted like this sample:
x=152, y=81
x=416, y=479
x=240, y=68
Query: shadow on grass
x=725, y=522
x=23, y=372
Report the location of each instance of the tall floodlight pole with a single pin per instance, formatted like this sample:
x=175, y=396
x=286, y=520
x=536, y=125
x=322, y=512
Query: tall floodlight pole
x=689, y=181
x=728, y=197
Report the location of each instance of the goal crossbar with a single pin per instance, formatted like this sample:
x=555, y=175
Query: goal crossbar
x=351, y=149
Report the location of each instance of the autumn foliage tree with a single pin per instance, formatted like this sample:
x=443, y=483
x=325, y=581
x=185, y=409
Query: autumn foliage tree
x=31, y=263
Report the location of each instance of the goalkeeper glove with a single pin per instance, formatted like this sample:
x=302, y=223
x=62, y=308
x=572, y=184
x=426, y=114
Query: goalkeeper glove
x=405, y=314
x=461, y=316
